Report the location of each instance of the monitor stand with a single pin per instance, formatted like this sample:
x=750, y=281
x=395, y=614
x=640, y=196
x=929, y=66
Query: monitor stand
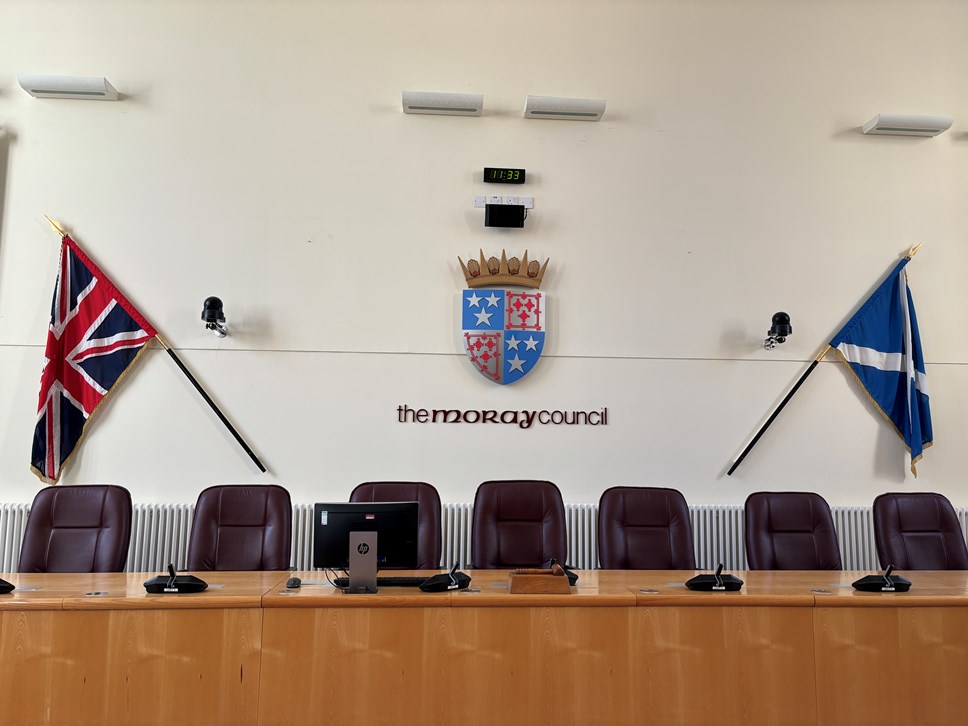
x=362, y=570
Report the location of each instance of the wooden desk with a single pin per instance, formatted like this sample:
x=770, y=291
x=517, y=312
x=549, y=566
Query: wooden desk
x=790, y=648
x=480, y=656
x=607, y=653
x=893, y=657
x=128, y=657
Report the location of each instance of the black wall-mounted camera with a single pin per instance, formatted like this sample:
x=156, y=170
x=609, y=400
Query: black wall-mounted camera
x=214, y=317
x=779, y=331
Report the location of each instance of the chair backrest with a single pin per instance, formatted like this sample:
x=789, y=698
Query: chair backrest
x=518, y=524
x=428, y=513
x=644, y=528
x=77, y=529
x=241, y=528
x=790, y=531
x=918, y=531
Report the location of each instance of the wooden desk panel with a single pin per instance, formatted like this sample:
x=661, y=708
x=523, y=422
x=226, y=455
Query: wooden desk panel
x=881, y=664
x=777, y=652
x=29, y=654
x=724, y=665
x=446, y=665
x=123, y=666
x=130, y=657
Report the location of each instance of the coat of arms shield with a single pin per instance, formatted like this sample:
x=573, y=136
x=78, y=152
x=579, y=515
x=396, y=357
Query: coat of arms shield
x=503, y=329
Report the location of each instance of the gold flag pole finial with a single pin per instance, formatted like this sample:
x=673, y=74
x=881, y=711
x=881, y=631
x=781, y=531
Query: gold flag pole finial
x=914, y=250
x=56, y=226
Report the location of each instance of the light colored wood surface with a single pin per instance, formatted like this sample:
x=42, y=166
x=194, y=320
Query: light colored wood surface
x=126, y=591
x=131, y=666
x=791, y=647
x=903, y=665
x=48, y=591
x=447, y=665
x=129, y=657
x=662, y=588
x=724, y=665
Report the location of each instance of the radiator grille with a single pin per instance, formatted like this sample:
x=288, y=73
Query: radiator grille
x=159, y=535
x=717, y=534
x=855, y=533
x=13, y=519
x=160, y=532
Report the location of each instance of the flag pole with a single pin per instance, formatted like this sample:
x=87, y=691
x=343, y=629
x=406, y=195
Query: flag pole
x=786, y=399
x=210, y=402
x=776, y=412
x=198, y=386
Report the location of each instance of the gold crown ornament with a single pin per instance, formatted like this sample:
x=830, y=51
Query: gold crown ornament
x=492, y=271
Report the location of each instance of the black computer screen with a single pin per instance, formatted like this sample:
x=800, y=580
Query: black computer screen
x=394, y=522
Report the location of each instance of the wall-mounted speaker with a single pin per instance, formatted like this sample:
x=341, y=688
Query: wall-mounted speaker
x=91, y=88
x=447, y=104
x=569, y=109
x=899, y=124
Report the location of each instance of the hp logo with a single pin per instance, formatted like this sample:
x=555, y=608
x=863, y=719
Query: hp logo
x=363, y=548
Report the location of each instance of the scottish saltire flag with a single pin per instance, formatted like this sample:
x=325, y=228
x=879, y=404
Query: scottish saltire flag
x=882, y=346
x=95, y=335
x=504, y=331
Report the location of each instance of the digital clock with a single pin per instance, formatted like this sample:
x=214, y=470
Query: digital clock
x=503, y=176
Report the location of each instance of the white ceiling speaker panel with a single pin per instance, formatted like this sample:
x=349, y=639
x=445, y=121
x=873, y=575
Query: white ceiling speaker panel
x=899, y=124
x=568, y=109
x=90, y=88
x=447, y=104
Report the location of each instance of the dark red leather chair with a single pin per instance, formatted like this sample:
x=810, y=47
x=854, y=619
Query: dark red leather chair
x=644, y=528
x=241, y=528
x=77, y=529
x=428, y=513
x=518, y=524
x=918, y=531
x=790, y=531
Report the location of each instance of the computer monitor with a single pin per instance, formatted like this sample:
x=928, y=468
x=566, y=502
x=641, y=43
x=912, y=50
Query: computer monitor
x=394, y=522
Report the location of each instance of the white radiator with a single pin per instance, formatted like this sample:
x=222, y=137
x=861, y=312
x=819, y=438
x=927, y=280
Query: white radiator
x=717, y=536
x=581, y=521
x=455, y=531
x=855, y=533
x=159, y=535
x=13, y=519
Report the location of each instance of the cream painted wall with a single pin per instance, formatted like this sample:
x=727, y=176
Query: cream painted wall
x=260, y=153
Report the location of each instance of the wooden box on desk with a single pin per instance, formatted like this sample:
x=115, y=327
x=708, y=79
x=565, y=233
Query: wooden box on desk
x=538, y=582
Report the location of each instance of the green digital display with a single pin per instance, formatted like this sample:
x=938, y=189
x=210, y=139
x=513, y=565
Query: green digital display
x=496, y=175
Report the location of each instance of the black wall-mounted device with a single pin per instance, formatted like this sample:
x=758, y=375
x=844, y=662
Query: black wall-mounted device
x=504, y=215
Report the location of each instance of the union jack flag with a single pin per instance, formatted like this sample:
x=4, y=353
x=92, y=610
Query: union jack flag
x=95, y=335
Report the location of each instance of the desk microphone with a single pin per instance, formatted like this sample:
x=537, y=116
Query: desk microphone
x=174, y=583
x=882, y=583
x=716, y=582
x=452, y=580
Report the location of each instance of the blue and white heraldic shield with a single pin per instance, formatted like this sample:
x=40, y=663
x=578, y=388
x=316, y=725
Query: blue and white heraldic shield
x=503, y=331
